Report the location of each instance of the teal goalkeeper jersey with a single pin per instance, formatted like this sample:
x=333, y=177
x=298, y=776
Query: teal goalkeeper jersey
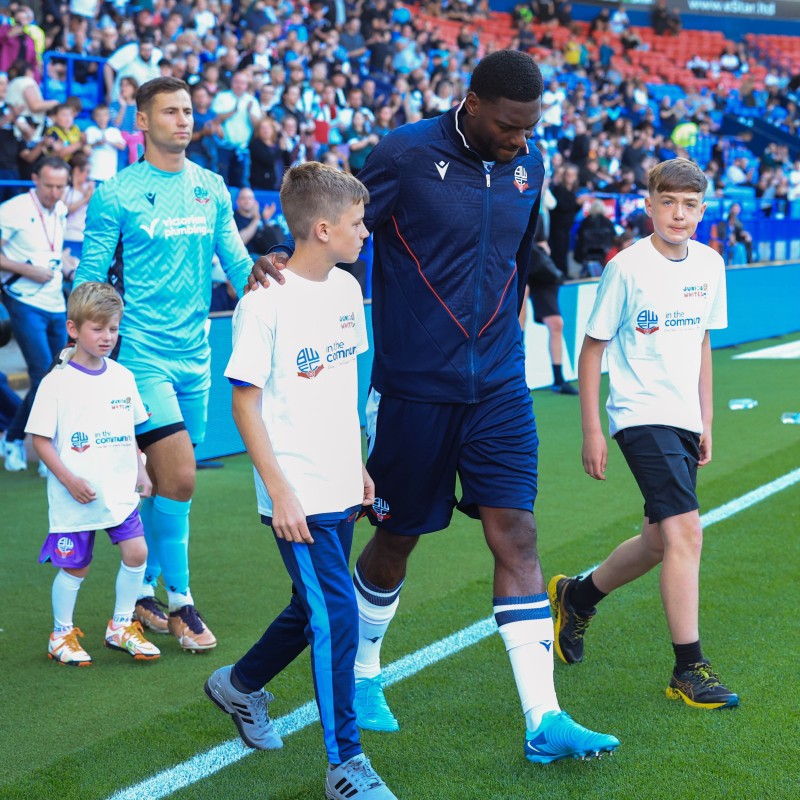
x=152, y=235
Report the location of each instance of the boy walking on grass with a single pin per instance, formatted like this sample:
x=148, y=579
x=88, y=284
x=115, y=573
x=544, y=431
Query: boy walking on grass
x=293, y=370
x=656, y=302
x=82, y=424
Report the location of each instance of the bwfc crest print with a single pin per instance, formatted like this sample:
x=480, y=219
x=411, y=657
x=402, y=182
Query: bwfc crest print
x=521, y=178
x=309, y=363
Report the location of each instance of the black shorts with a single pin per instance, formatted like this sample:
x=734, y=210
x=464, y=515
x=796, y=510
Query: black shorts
x=664, y=462
x=544, y=297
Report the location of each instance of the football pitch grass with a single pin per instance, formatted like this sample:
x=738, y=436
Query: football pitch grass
x=92, y=733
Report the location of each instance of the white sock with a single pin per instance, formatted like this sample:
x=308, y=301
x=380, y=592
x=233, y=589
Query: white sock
x=146, y=590
x=527, y=630
x=177, y=600
x=129, y=584
x=376, y=609
x=65, y=594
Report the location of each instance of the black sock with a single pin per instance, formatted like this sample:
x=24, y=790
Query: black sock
x=558, y=377
x=238, y=685
x=584, y=595
x=686, y=655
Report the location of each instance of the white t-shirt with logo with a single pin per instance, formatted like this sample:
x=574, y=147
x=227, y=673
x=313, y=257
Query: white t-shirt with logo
x=654, y=314
x=34, y=234
x=299, y=343
x=90, y=416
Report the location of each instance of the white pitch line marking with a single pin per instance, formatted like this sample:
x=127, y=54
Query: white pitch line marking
x=211, y=761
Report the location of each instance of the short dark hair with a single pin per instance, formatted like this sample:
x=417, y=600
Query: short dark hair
x=54, y=162
x=147, y=91
x=507, y=73
x=677, y=175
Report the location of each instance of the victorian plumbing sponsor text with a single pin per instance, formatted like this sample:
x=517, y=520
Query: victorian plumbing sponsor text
x=177, y=226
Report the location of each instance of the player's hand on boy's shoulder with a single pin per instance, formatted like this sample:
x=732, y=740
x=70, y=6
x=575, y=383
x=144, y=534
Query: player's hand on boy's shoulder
x=595, y=455
x=269, y=265
x=289, y=519
x=81, y=490
x=369, y=487
x=705, y=448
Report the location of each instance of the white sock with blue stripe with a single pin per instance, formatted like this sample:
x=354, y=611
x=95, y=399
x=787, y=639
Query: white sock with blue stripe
x=376, y=609
x=527, y=630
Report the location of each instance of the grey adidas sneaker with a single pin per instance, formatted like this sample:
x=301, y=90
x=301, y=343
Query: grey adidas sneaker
x=356, y=780
x=250, y=712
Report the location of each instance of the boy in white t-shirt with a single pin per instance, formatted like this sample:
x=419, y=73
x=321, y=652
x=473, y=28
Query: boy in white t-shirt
x=105, y=142
x=293, y=369
x=82, y=422
x=656, y=302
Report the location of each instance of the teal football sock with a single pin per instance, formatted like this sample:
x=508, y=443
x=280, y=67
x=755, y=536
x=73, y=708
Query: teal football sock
x=153, y=569
x=171, y=527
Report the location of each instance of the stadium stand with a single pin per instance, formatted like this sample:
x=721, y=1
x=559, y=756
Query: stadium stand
x=698, y=93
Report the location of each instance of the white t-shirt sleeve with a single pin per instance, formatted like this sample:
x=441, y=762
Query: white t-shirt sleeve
x=93, y=134
x=114, y=136
x=609, y=304
x=224, y=103
x=254, y=324
x=362, y=342
x=43, y=419
x=718, y=315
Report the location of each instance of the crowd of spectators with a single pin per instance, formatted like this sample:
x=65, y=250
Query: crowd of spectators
x=278, y=82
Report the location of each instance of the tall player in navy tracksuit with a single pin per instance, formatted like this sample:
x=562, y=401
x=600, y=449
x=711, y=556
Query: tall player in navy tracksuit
x=454, y=203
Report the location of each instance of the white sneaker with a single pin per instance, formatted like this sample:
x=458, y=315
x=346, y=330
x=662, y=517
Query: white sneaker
x=63, y=648
x=15, y=457
x=129, y=639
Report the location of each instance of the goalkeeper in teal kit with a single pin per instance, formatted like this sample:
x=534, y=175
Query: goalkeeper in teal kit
x=152, y=232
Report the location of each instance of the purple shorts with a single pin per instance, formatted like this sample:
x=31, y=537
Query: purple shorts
x=74, y=550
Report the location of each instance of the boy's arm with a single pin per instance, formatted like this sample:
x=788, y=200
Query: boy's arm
x=706, y=401
x=80, y=489
x=144, y=486
x=595, y=447
x=288, y=517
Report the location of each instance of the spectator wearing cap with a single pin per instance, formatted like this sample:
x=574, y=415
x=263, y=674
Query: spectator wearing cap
x=237, y=113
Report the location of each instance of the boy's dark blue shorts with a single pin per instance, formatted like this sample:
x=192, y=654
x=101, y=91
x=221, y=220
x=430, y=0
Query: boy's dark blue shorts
x=664, y=462
x=416, y=451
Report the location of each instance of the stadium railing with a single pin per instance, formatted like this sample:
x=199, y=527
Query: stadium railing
x=90, y=93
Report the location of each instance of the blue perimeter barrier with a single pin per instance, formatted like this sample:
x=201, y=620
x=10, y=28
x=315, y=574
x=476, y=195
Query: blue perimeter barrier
x=762, y=302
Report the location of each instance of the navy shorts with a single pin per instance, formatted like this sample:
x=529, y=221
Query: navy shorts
x=417, y=450
x=664, y=462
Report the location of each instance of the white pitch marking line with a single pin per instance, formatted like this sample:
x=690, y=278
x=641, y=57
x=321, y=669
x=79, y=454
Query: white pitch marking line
x=211, y=761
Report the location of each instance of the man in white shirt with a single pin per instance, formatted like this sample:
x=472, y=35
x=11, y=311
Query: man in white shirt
x=137, y=60
x=31, y=244
x=238, y=112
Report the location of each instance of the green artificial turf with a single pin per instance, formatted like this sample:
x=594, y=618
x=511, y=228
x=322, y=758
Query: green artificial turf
x=87, y=733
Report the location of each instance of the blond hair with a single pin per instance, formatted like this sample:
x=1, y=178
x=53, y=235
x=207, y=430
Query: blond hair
x=314, y=191
x=95, y=302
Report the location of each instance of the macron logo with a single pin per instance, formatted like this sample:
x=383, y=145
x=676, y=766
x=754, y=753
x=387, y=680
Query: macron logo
x=441, y=167
x=150, y=229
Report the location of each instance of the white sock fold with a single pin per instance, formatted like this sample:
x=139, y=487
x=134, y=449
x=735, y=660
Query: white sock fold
x=526, y=628
x=376, y=609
